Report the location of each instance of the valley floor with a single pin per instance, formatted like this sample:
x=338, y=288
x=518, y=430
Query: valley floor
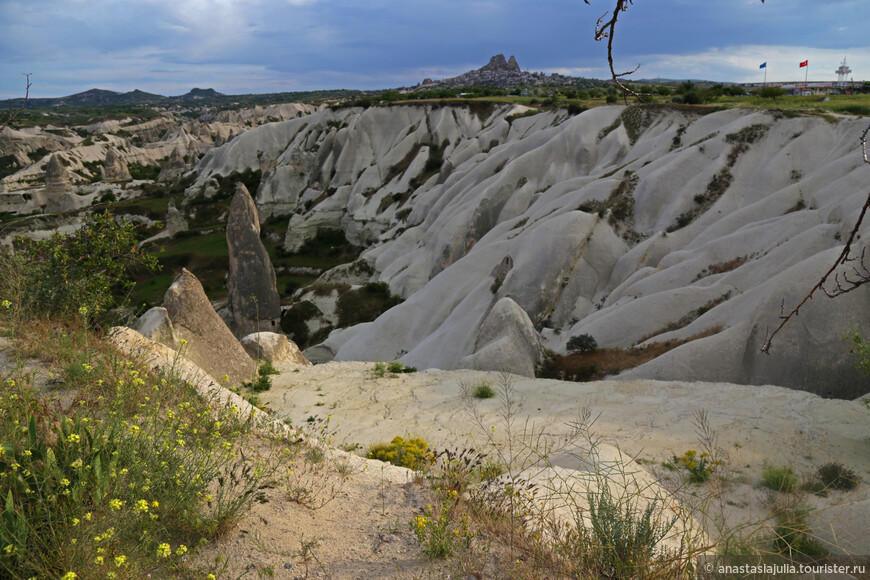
x=653, y=421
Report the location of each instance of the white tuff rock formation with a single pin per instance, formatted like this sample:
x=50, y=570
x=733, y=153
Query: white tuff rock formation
x=632, y=224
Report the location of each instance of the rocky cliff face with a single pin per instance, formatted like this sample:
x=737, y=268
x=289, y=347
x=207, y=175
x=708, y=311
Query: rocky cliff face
x=634, y=225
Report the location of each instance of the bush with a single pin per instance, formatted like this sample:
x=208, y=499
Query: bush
x=365, y=304
x=88, y=271
x=139, y=470
x=483, y=391
x=782, y=479
x=627, y=540
x=397, y=367
x=143, y=172
x=838, y=476
x=700, y=466
x=791, y=535
x=582, y=343
x=411, y=453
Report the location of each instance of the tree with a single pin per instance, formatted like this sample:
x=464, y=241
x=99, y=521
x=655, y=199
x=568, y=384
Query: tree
x=771, y=93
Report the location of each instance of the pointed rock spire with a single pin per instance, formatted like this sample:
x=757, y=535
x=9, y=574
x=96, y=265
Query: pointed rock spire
x=115, y=168
x=174, y=166
x=251, y=282
x=56, y=176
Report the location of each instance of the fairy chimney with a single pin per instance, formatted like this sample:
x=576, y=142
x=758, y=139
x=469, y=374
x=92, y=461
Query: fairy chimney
x=115, y=168
x=251, y=281
x=56, y=176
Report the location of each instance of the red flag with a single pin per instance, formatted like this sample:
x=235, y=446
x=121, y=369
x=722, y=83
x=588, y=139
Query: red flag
x=804, y=63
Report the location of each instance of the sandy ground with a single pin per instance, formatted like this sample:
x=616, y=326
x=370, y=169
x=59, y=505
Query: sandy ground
x=652, y=420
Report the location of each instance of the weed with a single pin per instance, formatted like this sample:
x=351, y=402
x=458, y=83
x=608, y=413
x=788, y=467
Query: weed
x=627, y=542
x=483, y=390
x=791, y=536
x=700, y=466
x=837, y=476
x=780, y=478
x=435, y=531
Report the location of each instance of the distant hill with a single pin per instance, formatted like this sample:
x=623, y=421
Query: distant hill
x=104, y=98
x=194, y=97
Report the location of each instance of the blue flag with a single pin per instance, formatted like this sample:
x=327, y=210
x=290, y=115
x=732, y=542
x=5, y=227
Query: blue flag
x=763, y=65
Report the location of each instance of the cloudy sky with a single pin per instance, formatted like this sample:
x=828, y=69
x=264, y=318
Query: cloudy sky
x=258, y=46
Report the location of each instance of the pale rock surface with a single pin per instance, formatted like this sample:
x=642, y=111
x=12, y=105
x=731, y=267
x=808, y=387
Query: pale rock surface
x=538, y=193
x=355, y=274
x=251, y=281
x=57, y=179
x=175, y=221
x=506, y=341
x=115, y=168
x=173, y=167
x=209, y=343
x=753, y=426
x=273, y=347
x=156, y=325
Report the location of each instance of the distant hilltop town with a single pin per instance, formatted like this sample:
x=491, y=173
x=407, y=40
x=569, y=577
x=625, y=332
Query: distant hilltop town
x=503, y=73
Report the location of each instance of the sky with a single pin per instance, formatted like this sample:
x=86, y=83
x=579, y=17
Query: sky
x=260, y=46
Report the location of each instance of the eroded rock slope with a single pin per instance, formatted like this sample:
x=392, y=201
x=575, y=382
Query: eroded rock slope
x=630, y=224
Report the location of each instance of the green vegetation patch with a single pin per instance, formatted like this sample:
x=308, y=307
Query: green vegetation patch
x=143, y=172
x=365, y=304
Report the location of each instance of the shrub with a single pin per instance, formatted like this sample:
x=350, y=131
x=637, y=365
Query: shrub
x=411, y=453
x=627, y=539
x=582, y=343
x=782, y=479
x=365, y=304
x=700, y=466
x=144, y=467
x=483, y=391
x=397, y=367
x=88, y=271
x=838, y=476
x=144, y=172
x=434, y=530
x=262, y=382
x=791, y=535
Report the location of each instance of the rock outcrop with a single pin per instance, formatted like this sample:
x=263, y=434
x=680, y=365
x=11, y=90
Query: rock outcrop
x=251, y=281
x=156, y=325
x=506, y=342
x=274, y=348
x=115, y=168
x=208, y=341
x=635, y=225
x=499, y=72
x=175, y=221
x=173, y=167
x=57, y=178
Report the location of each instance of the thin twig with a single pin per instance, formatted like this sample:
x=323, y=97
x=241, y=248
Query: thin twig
x=842, y=259
x=15, y=113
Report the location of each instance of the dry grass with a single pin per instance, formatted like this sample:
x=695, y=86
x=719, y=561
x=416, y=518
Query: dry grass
x=596, y=364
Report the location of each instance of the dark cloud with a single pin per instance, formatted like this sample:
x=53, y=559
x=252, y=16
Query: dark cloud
x=167, y=46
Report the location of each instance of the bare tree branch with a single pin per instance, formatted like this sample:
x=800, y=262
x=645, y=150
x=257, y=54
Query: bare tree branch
x=15, y=113
x=843, y=283
x=606, y=30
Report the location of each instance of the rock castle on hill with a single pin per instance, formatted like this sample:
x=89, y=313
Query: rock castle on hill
x=502, y=73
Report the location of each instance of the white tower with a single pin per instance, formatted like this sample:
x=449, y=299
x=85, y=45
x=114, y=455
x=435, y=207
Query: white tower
x=842, y=73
